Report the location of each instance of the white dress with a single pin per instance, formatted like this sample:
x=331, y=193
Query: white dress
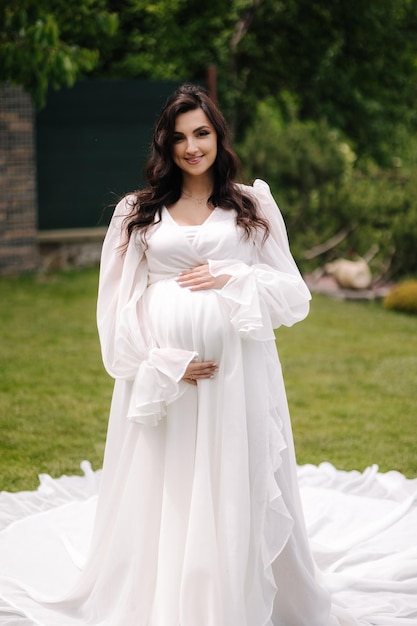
x=208, y=523
x=199, y=520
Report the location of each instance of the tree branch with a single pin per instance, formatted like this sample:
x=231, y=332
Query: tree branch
x=330, y=243
x=242, y=25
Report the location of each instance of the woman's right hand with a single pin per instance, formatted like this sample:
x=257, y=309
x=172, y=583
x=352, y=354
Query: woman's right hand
x=199, y=278
x=198, y=370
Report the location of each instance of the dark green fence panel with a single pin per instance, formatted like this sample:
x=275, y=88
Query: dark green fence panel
x=92, y=144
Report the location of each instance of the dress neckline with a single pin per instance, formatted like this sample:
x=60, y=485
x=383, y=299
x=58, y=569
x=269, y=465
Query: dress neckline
x=190, y=225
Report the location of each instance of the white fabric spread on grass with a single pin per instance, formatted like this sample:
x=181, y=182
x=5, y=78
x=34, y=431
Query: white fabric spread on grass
x=199, y=519
x=362, y=529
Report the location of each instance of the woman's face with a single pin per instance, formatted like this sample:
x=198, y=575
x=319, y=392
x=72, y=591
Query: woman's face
x=195, y=143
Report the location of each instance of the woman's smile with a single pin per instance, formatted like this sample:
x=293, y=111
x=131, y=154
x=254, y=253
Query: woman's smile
x=194, y=160
x=194, y=148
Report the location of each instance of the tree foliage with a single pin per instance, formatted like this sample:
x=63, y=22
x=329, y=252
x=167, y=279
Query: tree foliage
x=168, y=39
x=51, y=42
x=324, y=190
x=351, y=63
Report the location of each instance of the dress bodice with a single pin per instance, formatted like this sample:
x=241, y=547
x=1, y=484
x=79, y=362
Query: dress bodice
x=170, y=250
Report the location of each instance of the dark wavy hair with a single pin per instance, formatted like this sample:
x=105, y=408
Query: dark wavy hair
x=164, y=177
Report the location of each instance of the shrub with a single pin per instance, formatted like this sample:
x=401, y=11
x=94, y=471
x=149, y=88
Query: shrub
x=403, y=297
x=306, y=164
x=323, y=189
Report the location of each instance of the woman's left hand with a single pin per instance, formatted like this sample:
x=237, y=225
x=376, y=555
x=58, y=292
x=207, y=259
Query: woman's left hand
x=200, y=278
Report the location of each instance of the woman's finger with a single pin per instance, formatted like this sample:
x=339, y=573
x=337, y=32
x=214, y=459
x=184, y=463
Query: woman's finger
x=195, y=277
x=200, y=278
x=200, y=369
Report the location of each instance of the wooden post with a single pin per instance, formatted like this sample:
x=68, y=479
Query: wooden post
x=211, y=79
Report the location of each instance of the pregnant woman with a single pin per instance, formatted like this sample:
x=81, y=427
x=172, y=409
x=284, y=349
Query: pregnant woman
x=199, y=520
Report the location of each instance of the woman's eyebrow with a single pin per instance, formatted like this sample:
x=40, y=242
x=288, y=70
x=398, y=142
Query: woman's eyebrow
x=196, y=130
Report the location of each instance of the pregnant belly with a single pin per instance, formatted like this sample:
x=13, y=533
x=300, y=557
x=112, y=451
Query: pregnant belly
x=190, y=320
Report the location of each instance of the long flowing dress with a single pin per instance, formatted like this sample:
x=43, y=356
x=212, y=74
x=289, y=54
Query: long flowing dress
x=201, y=496
x=199, y=520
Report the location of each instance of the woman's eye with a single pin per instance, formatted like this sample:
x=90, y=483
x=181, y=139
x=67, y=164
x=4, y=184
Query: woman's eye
x=203, y=133
x=177, y=139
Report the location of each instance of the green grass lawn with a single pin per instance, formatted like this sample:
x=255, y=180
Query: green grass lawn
x=351, y=376
x=350, y=371
x=54, y=392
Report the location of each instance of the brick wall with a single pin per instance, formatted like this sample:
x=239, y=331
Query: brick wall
x=18, y=202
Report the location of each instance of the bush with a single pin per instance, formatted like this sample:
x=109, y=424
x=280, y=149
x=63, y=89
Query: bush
x=383, y=204
x=306, y=164
x=403, y=297
x=323, y=189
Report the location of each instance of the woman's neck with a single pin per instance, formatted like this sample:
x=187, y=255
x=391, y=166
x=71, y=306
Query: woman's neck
x=197, y=187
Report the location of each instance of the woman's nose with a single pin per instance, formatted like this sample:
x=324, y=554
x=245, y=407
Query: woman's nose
x=191, y=145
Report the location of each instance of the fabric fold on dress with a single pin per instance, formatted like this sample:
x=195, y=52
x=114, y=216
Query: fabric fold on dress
x=247, y=314
x=255, y=293
x=157, y=384
x=277, y=516
x=372, y=575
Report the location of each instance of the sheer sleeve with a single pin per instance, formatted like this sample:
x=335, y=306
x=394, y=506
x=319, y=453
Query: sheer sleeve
x=128, y=349
x=271, y=292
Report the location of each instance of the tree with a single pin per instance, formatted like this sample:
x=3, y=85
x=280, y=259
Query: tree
x=50, y=42
x=352, y=63
x=172, y=39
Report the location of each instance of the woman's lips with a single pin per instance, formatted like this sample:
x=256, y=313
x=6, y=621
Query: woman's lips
x=194, y=160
